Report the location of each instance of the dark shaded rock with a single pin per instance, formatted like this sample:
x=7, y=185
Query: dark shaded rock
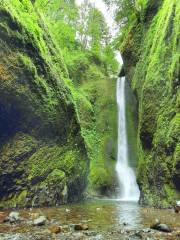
x=122, y=72
x=161, y=227
x=125, y=223
x=80, y=227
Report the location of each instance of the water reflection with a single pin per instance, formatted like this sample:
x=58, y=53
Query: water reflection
x=128, y=214
x=101, y=214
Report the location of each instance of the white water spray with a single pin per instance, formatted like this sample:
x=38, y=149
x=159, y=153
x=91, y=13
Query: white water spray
x=129, y=190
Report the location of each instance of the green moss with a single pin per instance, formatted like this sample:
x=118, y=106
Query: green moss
x=18, y=200
x=21, y=198
x=131, y=123
x=48, y=158
x=40, y=134
x=155, y=83
x=101, y=179
x=100, y=131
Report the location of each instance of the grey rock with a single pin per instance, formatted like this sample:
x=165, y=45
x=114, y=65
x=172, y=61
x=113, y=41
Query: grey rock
x=162, y=227
x=14, y=217
x=177, y=207
x=40, y=221
x=146, y=230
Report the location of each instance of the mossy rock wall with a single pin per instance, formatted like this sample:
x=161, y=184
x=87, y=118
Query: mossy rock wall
x=43, y=159
x=95, y=98
x=103, y=152
x=131, y=126
x=151, y=55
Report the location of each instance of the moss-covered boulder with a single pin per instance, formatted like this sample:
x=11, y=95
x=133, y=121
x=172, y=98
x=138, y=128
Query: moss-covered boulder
x=42, y=152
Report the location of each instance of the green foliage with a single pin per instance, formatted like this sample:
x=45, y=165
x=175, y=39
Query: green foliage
x=79, y=32
x=97, y=30
x=129, y=14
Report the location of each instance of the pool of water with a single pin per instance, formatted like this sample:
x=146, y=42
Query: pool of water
x=100, y=215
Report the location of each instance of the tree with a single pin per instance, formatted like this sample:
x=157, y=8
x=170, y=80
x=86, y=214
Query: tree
x=56, y=10
x=92, y=29
x=97, y=30
x=82, y=24
x=81, y=33
x=128, y=11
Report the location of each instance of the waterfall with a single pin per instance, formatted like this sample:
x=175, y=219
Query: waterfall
x=129, y=190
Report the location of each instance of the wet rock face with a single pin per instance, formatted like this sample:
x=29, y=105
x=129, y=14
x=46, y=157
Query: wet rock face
x=158, y=105
x=53, y=191
x=40, y=140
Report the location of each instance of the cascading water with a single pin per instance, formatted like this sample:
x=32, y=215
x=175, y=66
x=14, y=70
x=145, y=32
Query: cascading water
x=129, y=190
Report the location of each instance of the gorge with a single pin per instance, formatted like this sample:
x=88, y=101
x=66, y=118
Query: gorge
x=71, y=134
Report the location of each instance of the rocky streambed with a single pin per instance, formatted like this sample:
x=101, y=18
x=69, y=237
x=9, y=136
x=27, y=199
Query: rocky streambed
x=94, y=220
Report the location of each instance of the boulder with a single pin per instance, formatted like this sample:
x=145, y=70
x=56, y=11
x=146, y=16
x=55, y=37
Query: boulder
x=34, y=215
x=80, y=227
x=3, y=217
x=55, y=229
x=14, y=217
x=40, y=221
x=177, y=207
x=161, y=227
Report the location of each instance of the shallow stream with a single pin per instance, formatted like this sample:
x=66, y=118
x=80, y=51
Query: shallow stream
x=110, y=219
